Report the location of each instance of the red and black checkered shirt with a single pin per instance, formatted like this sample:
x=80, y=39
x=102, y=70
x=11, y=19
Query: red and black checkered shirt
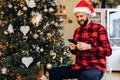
x=96, y=35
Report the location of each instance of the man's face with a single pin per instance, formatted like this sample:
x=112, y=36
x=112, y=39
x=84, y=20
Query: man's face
x=82, y=18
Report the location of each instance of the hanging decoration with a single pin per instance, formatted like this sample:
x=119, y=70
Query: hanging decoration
x=37, y=17
x=43, y=77
x=27, y=61
x=31, y=3
x=30, y=31
x=10, y=29
x=4, y=70
x=51, y=9
x=53, y=54
x=24, y=29
x=49, y=66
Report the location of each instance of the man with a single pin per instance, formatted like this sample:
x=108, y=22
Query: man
x=91, y=49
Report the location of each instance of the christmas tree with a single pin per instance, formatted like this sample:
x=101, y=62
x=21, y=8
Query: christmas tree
x=30, y=39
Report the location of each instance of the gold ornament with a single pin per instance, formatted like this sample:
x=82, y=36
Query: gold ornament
x=54, y=56
x=1, y=46
x=10, y=6
x=0, y=54
x=45, y=10
x=33, y=20
x=5, y=22
x=20, y=13
x=15, y=7
x=52, y=53
x=2, y=12
x=19, y=77
x=0, y=22
x=49, y=34
x=61, y=60
x=6, y=32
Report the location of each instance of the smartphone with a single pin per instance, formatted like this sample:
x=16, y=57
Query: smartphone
x=72, y=41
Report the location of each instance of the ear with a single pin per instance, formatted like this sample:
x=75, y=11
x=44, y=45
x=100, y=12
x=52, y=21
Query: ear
x=88, y=15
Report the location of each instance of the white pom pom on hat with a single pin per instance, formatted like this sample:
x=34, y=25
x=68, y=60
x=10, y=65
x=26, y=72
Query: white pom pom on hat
x=86, y=7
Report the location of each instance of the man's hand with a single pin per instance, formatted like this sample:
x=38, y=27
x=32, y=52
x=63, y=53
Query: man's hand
x=83, y=46
x=72, y=46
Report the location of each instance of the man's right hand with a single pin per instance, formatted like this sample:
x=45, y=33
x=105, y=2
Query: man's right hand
x=72, y=46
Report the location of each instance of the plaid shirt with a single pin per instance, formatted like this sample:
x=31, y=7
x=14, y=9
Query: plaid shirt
x=96, y=35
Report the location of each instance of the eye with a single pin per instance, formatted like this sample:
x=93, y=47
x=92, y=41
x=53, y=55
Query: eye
x=77, y=16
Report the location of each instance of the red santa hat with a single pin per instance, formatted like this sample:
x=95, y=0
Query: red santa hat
x=86, y=7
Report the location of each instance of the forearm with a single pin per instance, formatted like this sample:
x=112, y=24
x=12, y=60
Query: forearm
x=101, y=50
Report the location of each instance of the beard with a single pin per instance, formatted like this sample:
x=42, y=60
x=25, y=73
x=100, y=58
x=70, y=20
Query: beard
x=83, y=24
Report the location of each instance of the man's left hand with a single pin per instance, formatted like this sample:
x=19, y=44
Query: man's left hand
x=83, y=46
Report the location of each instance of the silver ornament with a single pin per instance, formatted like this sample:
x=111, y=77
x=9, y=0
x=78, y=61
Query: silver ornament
x=25, y=8
x=37, y=48
x=49, y=66
x=4, y=70
x=41, y=50
x=41, y=33
x=38, y=64
x=51, y=10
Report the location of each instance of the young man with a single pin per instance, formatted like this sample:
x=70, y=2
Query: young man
x=91, y=49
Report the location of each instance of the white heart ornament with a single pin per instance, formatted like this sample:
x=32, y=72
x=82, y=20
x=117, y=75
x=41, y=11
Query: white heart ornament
x=27, y=61
x=24, y=29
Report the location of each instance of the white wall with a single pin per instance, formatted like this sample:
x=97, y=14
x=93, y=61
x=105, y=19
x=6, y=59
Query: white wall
x=69, y=27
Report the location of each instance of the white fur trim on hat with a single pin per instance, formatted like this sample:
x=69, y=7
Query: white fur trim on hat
x=82, y=9
x=93, y=14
